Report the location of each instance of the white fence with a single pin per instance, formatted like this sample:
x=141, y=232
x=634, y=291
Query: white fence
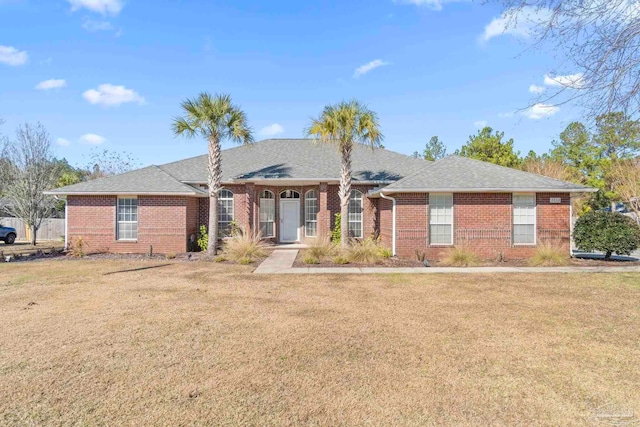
x=51, y=229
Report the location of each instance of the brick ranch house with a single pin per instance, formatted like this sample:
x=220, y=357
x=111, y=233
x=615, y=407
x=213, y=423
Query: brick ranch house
x=288, y=189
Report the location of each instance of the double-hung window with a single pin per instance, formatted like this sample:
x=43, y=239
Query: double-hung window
x=524, y=219
x=355, y=214
x=311, y=213
x=127, y=219
x=225, y=212
x=441, y=219
x=267, y=213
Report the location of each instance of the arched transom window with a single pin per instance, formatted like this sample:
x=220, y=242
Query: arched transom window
x=355, y=214
x=311, y=213
x=267, y=213
x=289, y=194
x=225, y=211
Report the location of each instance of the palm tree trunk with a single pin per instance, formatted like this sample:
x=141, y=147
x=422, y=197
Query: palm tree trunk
x=345, y=193
x=215, y=176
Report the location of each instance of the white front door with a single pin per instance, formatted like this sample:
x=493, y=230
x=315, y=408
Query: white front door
x=289, y=220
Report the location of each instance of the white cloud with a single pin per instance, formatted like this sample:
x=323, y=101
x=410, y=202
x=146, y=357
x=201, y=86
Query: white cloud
x=110, y=95
x=364, y=69
x=51, y=84
x=104, y=7
x=515, y=23
x=431, y=4
x=272, y=130
x=536, y=89
x=506, y=115
x=480, y=124
x=540, y=111
x=573, y=81
x=11, y=56
x=93, y=26
x=92, y=139
x=63, y=142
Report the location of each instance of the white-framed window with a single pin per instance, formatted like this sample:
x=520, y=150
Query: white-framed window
x=441, y=219
x=127, y=219
x=355, y=214
x=311, y=213
x=524, y=219
x=225, y=211
x=267, y=213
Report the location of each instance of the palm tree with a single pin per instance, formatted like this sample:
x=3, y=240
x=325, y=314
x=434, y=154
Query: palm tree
x=215, y=118
x=344, y=125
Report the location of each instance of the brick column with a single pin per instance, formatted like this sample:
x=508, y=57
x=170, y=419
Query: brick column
x=324, y=215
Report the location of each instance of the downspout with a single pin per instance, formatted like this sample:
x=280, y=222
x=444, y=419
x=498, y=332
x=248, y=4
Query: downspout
x=571, y=225
x=393, y=222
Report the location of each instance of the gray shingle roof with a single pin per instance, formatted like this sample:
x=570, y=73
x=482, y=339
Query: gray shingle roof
x=297, y=159
x=293, y=159
x=455, y=173
x=149, y=180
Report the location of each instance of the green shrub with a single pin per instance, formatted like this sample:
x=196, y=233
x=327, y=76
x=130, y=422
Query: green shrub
x=608, y=232
x=245, y=246
x=551, y=255
x=340, y=260
x=385, y=253
x=220, y=258
x=367, y=251
x=310, y=259
x=336, y=234
x=460, y=257
x=203, y=238
x=321, y=247
x=245, y=261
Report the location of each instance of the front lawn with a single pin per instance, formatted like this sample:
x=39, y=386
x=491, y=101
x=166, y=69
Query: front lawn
x=127, y=342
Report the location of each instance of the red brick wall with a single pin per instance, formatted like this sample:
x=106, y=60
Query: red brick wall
x=482, y=223
x=162, y=223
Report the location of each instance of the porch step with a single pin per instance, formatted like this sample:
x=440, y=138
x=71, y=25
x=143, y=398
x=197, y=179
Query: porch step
x=280, y=259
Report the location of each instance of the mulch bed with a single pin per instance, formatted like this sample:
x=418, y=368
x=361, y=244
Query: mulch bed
x=398, y=262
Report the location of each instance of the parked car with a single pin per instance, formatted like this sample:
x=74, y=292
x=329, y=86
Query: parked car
x=8, y=234
x=620, y=208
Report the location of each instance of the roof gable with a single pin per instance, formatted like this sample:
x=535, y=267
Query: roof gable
x=455, y=173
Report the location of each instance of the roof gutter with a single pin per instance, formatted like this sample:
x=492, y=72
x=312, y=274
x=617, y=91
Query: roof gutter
x=393, y=222
x=380, y=191
x=116, y=193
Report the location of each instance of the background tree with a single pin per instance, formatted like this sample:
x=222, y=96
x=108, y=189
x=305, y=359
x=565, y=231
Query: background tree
x=608, y=232
x=30, y=170
x=344, y=125
x=215, y=118
x=489, y=147
x=104, y=163
x=625, y=176
x=433, y=150
x=545, y=166
x=598, y=43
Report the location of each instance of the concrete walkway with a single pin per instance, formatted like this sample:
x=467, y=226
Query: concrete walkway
x=280, y=261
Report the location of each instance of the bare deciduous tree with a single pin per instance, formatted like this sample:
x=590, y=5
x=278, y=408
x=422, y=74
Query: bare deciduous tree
x=29, y=170
x=598, y=41
x=104, y=163
x=625, y=178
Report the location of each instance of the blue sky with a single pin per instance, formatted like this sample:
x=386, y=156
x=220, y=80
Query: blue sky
x=112, y=73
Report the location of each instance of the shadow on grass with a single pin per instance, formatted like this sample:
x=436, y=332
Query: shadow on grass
x=135, y=269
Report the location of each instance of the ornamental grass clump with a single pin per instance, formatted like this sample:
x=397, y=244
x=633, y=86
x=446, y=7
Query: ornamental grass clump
x=245, y=247
x=365, y=251
x=460, y=257
x=321, y=247
x=549, y=255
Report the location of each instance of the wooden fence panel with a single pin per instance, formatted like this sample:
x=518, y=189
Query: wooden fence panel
x=51, y=228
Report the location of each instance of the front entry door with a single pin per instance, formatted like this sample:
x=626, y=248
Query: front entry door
x=289, y=220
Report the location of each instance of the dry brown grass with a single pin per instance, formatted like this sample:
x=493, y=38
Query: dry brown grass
x=89, y=342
